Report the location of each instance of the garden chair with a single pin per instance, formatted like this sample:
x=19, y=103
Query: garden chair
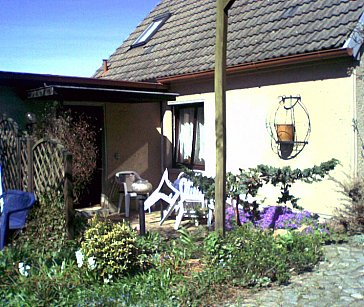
x=191, y=202
x=15, y=211
x=125, y=180
x=170, y=198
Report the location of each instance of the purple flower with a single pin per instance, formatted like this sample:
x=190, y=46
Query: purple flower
x=309, y=230
x=230, y=217
x=277, y=217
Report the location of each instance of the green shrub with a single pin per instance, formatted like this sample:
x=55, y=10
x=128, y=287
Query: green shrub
x=45, y=233
x=301, y=251
x=252, y=256
x=76, y=134
x=111, y=250
x=256, y=258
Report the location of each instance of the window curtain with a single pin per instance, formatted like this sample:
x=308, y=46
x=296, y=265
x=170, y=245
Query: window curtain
x=200, y=144
x=185, y=135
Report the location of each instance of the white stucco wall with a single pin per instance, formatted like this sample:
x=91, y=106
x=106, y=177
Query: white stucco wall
x=330, y=103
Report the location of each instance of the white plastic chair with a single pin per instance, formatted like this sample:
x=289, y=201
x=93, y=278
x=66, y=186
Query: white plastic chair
x=125, y=179
x=170, y=198
x=191, y=201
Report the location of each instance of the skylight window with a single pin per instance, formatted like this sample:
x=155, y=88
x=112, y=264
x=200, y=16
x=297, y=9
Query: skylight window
x=150, y=30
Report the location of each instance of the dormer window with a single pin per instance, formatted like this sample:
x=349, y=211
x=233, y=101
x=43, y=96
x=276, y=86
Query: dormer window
x=151, y=30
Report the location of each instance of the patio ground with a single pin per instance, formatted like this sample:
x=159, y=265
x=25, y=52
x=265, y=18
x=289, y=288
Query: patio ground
x=151, y=220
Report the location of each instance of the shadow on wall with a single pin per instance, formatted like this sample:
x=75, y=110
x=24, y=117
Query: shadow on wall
x=134, y=142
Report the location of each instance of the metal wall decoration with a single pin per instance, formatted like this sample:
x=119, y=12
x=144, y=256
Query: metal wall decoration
x=289, y=127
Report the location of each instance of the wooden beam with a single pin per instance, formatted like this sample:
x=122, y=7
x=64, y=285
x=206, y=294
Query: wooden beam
x=222, y=7
x=227, y=4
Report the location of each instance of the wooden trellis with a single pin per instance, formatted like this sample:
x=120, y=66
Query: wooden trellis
x=48, y=165
x=41, y=166
x=9, y=153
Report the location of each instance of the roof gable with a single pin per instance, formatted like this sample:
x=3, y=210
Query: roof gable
x=258, y=31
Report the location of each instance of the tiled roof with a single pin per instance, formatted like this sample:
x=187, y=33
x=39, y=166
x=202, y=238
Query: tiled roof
x=258, y=30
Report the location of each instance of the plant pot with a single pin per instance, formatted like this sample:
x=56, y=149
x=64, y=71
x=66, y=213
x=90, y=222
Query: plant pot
x=285, y=132
x=141, y=186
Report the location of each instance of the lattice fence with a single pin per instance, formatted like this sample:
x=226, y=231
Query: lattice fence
x=48, y=165
x=38, y=166
x=9, y=151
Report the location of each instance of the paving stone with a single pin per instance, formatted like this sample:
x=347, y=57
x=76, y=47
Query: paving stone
x=358, y=296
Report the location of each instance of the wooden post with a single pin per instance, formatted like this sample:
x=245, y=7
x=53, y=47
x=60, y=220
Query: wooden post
x=30, y=169
x=141, y=198
x=68, y=194
x=222, y=7
x=18, y=162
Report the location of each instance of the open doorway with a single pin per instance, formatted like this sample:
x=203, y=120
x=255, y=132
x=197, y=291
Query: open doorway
x=94, y=115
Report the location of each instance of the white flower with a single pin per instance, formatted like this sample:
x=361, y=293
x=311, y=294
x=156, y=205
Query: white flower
x=108, y=279
x=91, y=263
x=79, y=257
x=23, y=269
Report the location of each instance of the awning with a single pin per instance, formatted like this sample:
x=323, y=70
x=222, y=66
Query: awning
x=83, y=93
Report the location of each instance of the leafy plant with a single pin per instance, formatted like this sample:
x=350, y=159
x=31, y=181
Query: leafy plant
x=285, y=177
x=46, y=226
x=78, y=137
x=111, y=250
x=301, y=251
x=248, y=182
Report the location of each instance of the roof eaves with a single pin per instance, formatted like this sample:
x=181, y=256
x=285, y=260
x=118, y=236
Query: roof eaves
x=31, y=78
x=280, y=61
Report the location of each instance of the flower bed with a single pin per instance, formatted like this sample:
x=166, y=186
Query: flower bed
x=272, y=217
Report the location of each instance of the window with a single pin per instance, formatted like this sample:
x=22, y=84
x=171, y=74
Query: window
x=151, y=30
x=189, y=148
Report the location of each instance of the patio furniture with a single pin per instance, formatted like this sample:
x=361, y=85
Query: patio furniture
x=183, y=198
x=171, y=197
x=15, y=211
x=125, y=180
x=191, y=202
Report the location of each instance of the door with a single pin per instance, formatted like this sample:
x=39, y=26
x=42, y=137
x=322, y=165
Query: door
x=91, y=196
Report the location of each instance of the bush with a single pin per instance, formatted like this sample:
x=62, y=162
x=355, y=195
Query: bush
x=111, y=250
x=252, y=256
x=78, y=137
x=46, y=226
x=301, y=251
x=351, y=213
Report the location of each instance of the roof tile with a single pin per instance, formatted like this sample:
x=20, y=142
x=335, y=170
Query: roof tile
x=258, y=30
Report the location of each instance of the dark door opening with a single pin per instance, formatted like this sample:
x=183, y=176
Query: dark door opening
x=91, y=196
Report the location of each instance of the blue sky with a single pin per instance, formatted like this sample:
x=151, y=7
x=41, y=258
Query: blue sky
x=65, y=37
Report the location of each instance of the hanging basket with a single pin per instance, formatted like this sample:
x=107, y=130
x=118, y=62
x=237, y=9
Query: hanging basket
x=288, y=137
x=285, y=132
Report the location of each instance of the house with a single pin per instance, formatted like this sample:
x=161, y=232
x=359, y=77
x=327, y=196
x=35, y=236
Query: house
x=126, y=116
x=310, y=49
